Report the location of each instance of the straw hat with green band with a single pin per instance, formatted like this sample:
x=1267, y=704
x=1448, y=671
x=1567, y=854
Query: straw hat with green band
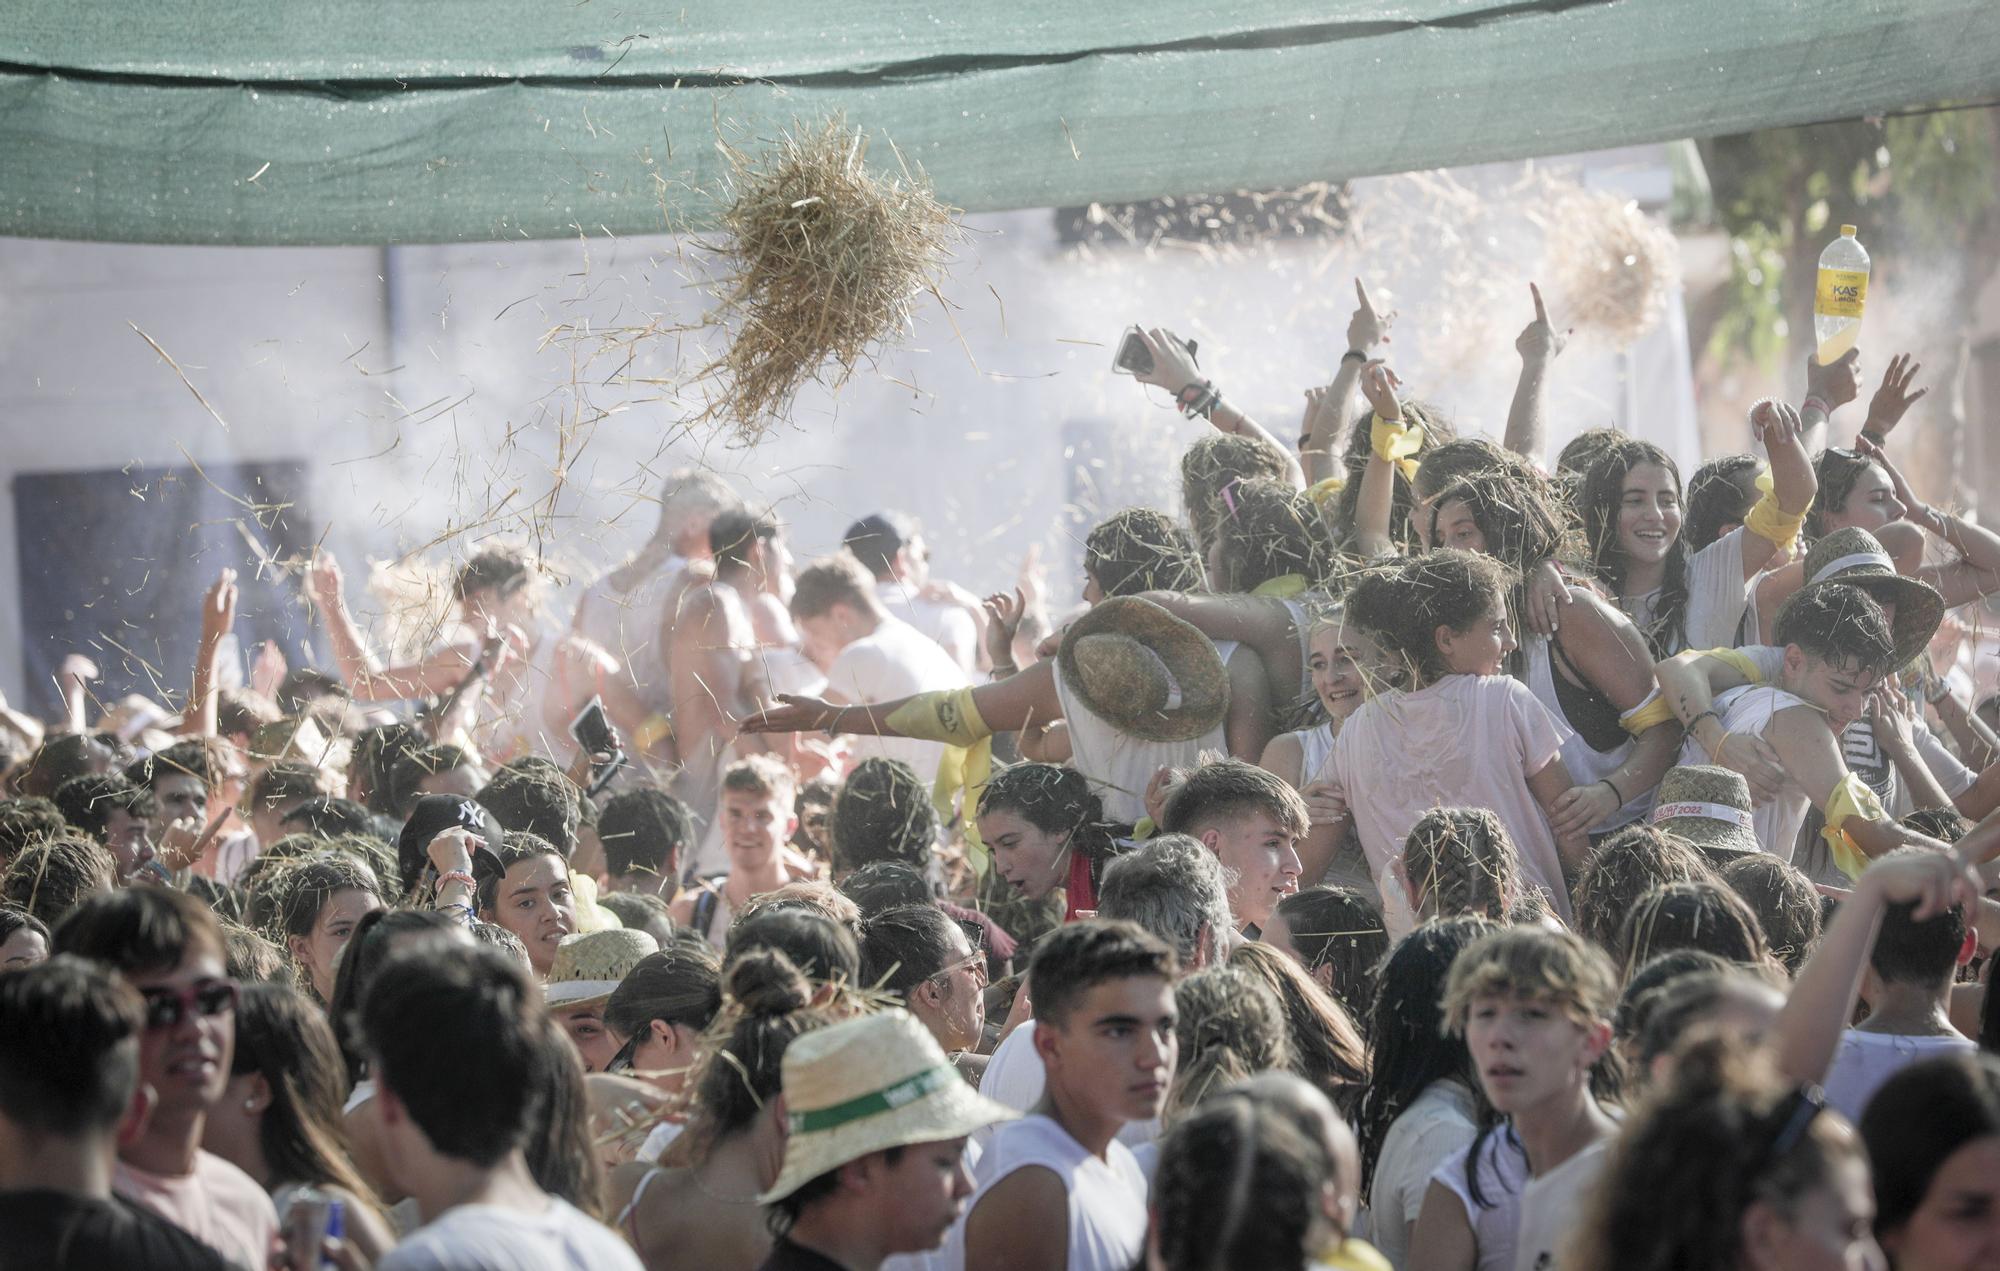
x=868, y=1084
x=1856, y=557
x=1144, y=671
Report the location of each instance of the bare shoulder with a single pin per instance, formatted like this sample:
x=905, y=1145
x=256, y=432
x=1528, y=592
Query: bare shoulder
x=1283, y=756
x=1022, y=1221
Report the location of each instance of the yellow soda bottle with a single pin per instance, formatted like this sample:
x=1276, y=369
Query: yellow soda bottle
x=1843, y=290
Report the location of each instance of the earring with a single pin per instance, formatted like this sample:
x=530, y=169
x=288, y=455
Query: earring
x=249, y=1105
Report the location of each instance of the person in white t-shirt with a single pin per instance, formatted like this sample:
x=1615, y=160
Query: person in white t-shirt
x=1534, y=1006
x=455, y=1133
x=1897, y=940
x=1056, y=1189
x=892, y=548
x=1418, y=1108
x=868, y=655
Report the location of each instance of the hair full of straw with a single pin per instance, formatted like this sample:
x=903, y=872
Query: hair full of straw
x=826, y=260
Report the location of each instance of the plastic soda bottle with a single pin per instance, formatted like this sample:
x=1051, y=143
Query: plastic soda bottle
x=1843, y=290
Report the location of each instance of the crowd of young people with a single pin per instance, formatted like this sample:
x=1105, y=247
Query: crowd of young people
x=1414, y=852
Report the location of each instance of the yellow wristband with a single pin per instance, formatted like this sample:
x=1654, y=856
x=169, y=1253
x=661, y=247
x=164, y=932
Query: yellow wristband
x=1648, y=714
x=1770, y=522
x=1324, y=492
x=1396, y=441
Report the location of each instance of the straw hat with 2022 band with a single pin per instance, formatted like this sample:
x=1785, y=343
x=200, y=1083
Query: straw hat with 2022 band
x=866, y=1085
x=1144, y=671
x=1710, y=808
x=1856, y=557
x=591, y=966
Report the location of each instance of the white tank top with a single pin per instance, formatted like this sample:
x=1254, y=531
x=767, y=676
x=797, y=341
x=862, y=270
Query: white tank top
x=1586, y=765
x=1118, y=765
x=1315, y=752
x=1107, y=1198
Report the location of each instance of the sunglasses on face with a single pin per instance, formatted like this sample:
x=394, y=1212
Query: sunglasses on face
x=166, y=1008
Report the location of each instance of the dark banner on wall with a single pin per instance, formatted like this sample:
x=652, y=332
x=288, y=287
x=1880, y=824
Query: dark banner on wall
x=114, y=565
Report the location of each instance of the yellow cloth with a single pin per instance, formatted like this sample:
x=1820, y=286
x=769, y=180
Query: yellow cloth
x=589, y=915
x=1283, y=587
x=949, y=716
x=1851, y=798
x=1738, y=661
x=965, y=770
x=1398, y=442
x=1352, y=1255
x=650, y=731
x=1144, y=830
x=1648, y=714
x=1769, y=521
x=1324, y=492
x=952, y=717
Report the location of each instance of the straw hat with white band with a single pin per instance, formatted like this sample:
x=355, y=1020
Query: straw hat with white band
x=590, y=967
x=1856, y=557
x=1710, y=808
x=868, y=1084
x=1144, y=671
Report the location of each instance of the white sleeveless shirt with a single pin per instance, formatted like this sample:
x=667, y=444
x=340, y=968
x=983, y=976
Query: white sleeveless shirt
x=1118, y=765
x=1107, y=1198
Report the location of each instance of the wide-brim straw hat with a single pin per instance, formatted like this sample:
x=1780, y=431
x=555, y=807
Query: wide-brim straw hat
x=591, y=966
x=1710, y=808
x=1855, y=557
x=1144, y=671
x=868, y=1084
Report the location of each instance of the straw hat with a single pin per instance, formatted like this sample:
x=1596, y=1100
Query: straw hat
x=867, y=1084
x=1144, y=671
x=1856, y=557
x=589, y=967
x=1710, y=808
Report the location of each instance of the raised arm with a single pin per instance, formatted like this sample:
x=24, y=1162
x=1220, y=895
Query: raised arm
x=1828, y=388
x=1977, y=744
x=1366, y=331
x=1792, y=486
x=434, y=675
x=218, y=619
x=1976, y=572
x=1174, y=370
x=1822, y=998
x=1890, y=713
x=1378, y=478
x=1689, y=681
x=1539, y=344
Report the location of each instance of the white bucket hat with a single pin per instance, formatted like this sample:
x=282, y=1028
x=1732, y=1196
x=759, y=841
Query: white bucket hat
x=868, y=1084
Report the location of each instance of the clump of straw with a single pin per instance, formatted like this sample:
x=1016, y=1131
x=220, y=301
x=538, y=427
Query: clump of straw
x=1613, y=265
x=826, y=259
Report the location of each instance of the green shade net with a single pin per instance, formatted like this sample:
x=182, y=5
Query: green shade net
x=344, y=121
